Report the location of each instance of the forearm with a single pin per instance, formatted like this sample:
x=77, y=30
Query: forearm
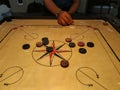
x=51, y=6
x=74, y=7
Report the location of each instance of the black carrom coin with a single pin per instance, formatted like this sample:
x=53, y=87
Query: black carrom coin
x=49, y=49
x=45, y=41
x=72, y=44
x=82, y=50
x=26, y=46
x=90, y=44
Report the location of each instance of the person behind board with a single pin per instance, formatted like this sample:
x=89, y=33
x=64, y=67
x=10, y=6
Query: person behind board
x=63, y=10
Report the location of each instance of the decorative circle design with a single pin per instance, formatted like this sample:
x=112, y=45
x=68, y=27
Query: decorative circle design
x=11, y=75
x=82, y=71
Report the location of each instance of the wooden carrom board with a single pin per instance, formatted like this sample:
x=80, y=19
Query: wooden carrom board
x=34, y=68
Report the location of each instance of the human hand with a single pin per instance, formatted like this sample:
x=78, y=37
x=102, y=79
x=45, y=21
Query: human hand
x=65, y=19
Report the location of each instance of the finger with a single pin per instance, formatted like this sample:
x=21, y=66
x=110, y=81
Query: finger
x=68, y=19
x=62, y=22
x=65, y=19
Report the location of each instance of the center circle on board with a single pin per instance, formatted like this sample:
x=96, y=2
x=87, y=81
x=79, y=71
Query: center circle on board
x=58, y=51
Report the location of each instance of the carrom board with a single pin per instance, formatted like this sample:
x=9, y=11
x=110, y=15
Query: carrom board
x=25, y=66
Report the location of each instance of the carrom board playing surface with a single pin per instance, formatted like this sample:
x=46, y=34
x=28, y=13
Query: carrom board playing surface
x=28, y=62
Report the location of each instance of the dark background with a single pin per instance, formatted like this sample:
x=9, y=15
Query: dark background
x=94, y=7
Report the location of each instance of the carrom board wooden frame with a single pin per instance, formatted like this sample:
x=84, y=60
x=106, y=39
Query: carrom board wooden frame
x=21, y=69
